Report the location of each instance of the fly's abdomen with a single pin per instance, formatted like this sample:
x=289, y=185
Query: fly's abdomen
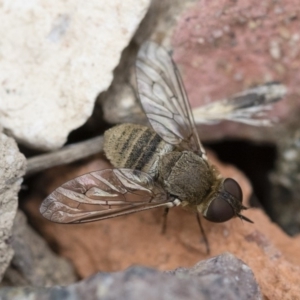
x=135, y=147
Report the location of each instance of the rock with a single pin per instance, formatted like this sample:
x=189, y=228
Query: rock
x=55, y=60
x=12, y=168
x=285, y=180
x=224, y=47
x=222, y=277
x=33, y=262
x=115, y=244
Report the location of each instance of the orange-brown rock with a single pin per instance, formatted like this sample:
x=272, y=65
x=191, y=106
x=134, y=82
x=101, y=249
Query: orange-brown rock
x=116, y=244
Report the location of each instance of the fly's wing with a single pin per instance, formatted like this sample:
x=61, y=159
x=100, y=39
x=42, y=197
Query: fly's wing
x=103, y=194
x=248, y=107
x=164, y=99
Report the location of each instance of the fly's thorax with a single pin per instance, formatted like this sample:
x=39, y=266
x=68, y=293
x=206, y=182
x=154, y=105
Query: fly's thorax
x=136, y=147
x=187, y=176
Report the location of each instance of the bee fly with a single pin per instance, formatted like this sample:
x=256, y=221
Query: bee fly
x=162, y=166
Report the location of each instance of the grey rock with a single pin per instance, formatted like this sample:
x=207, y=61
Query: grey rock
x=224, y=277
x=33, y=262
x=285, y=203
x=221, y=277
x=12, y=168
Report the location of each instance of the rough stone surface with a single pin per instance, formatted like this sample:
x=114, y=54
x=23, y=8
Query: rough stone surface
x=285, y=206
x=56, y=59
x=33, y=262
x=222, y=277
x=115, y=244
x=12, y=168
x=223, y=47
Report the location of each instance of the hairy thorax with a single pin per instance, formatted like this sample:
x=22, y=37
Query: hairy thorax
x=186, y=176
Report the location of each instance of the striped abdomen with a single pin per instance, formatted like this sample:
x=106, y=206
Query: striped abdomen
x=135, y=147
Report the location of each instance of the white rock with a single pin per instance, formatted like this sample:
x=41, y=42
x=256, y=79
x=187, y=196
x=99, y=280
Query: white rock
x=12, y=166
x=55, y=58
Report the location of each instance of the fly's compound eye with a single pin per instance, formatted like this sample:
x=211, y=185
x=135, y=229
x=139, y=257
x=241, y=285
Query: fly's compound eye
x=233, y=188
x=219, y=210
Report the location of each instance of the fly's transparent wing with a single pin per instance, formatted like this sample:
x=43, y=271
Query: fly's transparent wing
x=248, y=107
x=164, y=99
x=104, y=194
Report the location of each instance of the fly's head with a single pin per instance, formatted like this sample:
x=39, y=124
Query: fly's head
x=225, y=203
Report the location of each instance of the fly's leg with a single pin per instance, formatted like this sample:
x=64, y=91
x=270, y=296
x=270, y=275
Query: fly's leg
x=203, y=234
x=164, y=225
